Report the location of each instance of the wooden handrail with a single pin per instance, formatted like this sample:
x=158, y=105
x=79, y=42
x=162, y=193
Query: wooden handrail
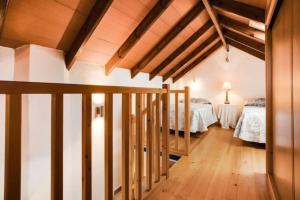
x=177, y=91
x=18, y=87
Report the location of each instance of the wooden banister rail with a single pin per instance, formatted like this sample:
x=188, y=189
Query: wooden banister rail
x=18, y=87
x=132, y=137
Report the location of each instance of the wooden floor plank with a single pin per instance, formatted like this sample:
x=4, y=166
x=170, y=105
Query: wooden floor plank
x=219, y=167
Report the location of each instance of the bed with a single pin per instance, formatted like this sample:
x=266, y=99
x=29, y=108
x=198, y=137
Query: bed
x=202, y=115
x=251, y=126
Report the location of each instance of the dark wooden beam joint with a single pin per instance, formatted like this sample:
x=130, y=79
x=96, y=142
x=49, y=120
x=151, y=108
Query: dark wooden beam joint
x=197, y=61
x=163, y=42
x=180, y=49
x=190, y=56
x=135, y=36
x=245, y=40
x=86, y=31
x=246, y=48
x=3, y=11
x=241, y=9
x=241, y=28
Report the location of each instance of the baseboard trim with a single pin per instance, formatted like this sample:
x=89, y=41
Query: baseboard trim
x=271, y=187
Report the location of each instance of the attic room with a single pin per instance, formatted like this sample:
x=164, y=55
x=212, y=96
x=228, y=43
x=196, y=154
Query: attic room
x=149, y=99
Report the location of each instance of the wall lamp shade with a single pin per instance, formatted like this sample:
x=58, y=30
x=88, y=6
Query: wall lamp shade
x=227, y=85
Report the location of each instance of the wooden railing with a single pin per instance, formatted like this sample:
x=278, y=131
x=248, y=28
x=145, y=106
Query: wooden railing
x=132, y=137
x=187, y=140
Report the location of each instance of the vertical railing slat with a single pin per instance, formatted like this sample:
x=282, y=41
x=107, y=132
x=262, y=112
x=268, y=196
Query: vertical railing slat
x=139, y=147
x=149, y=153
x=187, y=119
x=12, y=171
x=57, y=108
x=86, y=146
x=165, y=130
x=126, y=144
x=157, y=137
x=176, y=122
x=108, y=146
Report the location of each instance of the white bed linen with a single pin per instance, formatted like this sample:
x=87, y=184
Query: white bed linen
x=252, y=125
x=201, y=116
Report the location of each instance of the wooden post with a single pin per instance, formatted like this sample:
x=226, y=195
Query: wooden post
x=269, y=135
x=57, y=107
x=157, y=137
x=108, y=146
x=12, y=170
x=86, y=146
x=176, y=122
x=139, y=147
x=149, y=152
x=187, y=119
x=126, y=144
x=165, y=130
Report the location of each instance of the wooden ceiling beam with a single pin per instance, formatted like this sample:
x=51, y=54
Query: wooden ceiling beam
x=241, y=9
x=181, y=49
x=136, y=35
x=197, y=61
x=164, y=41
x=3, y=11
x=241, y=28
x=190, y=56
x=93, y=19
x=245, y=40
x=214, y=19
x=246, y=48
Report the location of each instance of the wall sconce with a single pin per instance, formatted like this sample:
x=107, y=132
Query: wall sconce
x=99, y=111
x=227, y=87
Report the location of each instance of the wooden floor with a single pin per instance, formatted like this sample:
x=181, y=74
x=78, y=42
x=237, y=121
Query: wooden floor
x=219, y=167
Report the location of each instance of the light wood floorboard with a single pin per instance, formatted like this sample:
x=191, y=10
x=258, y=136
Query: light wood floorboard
x=219, y=167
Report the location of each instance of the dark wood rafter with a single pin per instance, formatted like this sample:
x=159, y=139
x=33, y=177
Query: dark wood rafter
x=241, y=9
x=86, y=31
x=190, y=56
x=3, y=11
x=181, y=49
x=213, y=17
x=136, y=35
x=197, y=61
x=246, y=48
x=164, y=41
x=245, y=40
x=240, y=28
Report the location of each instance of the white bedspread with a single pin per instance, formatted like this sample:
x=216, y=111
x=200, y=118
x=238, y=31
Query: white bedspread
x=201, y=116
x=252, y=125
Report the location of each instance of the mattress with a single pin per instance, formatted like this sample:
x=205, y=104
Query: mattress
x=201, y=116
x=252, y=124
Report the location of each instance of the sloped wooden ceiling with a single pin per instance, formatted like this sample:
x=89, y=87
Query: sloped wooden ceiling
x=164, y=37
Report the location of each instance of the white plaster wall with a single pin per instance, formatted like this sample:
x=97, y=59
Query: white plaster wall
x=245, y=72
x=7, y=59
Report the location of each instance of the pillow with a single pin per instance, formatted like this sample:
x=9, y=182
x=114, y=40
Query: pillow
x=200, y=100
x=259, y=102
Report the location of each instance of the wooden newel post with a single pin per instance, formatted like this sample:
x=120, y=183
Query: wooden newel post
x=165, y=130
x=187, y=119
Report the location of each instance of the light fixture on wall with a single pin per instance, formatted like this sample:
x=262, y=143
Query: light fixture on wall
x=99, y=112
x=227, y=87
